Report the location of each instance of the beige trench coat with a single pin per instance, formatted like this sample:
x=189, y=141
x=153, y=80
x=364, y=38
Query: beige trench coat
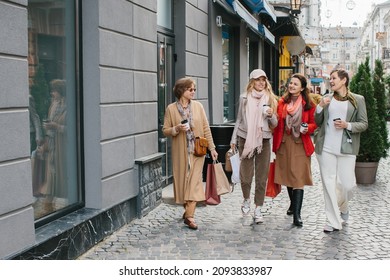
x=187, y=178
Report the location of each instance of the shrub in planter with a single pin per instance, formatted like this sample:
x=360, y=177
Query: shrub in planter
x=371, y=142
x=378, y=84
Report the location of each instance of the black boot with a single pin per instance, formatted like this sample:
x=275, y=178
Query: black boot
x=290, y=210
x=297, y=205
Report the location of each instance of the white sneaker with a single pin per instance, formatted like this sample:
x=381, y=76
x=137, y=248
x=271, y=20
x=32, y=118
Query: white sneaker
x=344, y=216
x=258, y=216
x=246, y=207
x=328, y=228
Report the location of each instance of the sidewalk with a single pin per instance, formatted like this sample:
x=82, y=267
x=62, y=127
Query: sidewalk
x=224, y=234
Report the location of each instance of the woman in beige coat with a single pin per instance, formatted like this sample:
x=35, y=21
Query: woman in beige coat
x=187, y=168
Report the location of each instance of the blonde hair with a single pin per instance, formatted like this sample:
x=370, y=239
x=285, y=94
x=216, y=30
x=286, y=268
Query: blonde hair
x=273, y=99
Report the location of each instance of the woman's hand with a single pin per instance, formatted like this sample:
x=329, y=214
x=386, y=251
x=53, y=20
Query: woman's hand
x=324, y=101
x=214, y=154
x=340, y=124
x=233, y=147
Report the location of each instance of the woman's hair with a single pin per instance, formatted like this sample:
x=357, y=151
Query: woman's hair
x=305, y=92
x=341, y=73
x=182, y=85
x=273, y=99
x=58, y=86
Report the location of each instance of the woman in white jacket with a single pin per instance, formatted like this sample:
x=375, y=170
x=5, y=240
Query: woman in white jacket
x=252, y=133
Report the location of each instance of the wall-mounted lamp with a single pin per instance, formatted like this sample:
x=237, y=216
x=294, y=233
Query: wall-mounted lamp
x=295, y=7
x=218, y=21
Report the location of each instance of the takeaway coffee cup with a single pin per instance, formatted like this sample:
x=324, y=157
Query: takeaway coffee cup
x=303, y=126
x=265, y=108
x=186, y=123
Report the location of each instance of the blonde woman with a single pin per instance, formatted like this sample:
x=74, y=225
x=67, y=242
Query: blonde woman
x=252, y=133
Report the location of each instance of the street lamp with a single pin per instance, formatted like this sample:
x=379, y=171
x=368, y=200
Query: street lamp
x=295, y=6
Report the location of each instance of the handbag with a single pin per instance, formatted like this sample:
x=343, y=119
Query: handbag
x=235, y=161
x=273, y=189
x=200, y=147
x=212, y=197
x=222, y=182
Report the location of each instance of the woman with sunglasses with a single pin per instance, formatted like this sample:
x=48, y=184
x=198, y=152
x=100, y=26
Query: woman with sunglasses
x=184, y=120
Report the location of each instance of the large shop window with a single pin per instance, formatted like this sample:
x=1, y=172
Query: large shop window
x=53, y=106
x=228, y=74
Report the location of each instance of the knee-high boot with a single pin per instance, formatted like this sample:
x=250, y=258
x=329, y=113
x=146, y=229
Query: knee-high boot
x=290, y=210
x=297, y=205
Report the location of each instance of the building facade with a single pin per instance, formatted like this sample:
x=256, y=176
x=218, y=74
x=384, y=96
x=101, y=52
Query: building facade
x=84, y=90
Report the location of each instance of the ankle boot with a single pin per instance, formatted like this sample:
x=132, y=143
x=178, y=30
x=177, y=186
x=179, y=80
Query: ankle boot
x=297, y=205
x=290, y=210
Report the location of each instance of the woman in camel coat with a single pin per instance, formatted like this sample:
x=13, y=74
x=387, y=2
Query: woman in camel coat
x=187, y=168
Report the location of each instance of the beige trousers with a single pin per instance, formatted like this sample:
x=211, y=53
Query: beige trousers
x=257, y=166
x=189, y=209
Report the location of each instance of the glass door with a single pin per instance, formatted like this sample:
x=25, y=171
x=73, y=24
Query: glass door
x=165, y=97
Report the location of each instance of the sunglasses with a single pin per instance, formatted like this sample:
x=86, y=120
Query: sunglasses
x=191, y=89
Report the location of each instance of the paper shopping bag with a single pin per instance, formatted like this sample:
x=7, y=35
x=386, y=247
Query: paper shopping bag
x=212, y=197
x=222, y=182
x=228, y=164
x=273, y=189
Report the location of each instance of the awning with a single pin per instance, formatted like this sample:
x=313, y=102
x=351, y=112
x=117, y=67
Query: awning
x=245, y=15
x=286, y=25
x=316, y=80
x=252, y=21
x=268, y=35
x=226, y=4
x=261, y=6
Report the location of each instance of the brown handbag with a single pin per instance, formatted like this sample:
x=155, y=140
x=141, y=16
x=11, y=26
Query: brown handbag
x=200, y=147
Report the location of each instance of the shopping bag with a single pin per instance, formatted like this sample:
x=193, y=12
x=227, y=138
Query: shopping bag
x=222, y=182
x=273, y=189
x=212, y=197
x=235, y=162
x=228, y=164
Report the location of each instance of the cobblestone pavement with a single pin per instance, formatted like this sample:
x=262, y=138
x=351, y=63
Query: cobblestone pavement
x=224, y=234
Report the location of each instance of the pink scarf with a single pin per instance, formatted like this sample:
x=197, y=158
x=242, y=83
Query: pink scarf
x=294, y=116
x=254, y=118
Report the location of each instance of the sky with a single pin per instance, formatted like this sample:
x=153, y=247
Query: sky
x=341, y=15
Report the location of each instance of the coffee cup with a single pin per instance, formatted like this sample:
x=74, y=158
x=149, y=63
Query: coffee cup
x=186, y=123
x=303, y=127
x=265, y=109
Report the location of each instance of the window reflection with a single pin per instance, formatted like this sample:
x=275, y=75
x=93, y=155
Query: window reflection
x=51, y=58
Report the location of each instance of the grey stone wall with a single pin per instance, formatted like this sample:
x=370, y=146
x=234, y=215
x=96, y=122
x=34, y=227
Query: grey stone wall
x=16, y=213
x=150, y=183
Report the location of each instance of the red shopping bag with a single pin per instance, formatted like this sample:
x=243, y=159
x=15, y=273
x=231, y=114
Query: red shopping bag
x=212, y=197
x=273, y=189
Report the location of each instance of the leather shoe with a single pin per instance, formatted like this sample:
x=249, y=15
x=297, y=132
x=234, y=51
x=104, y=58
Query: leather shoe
x=190, y=224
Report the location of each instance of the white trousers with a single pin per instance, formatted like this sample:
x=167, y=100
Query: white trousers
x=338, y=180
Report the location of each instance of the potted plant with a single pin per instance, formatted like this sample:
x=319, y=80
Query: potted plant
x=381, y=98
x=371, y=142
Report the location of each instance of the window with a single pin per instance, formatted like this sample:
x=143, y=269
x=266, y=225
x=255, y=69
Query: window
x=228, y=73
x=53, y=105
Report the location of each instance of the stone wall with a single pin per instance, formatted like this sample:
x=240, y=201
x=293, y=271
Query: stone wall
x=150, y=182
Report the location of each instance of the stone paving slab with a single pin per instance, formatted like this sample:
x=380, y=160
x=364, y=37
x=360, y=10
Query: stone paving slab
x=224, y=234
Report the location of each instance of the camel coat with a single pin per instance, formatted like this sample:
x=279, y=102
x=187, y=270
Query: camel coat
x=187, y=169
